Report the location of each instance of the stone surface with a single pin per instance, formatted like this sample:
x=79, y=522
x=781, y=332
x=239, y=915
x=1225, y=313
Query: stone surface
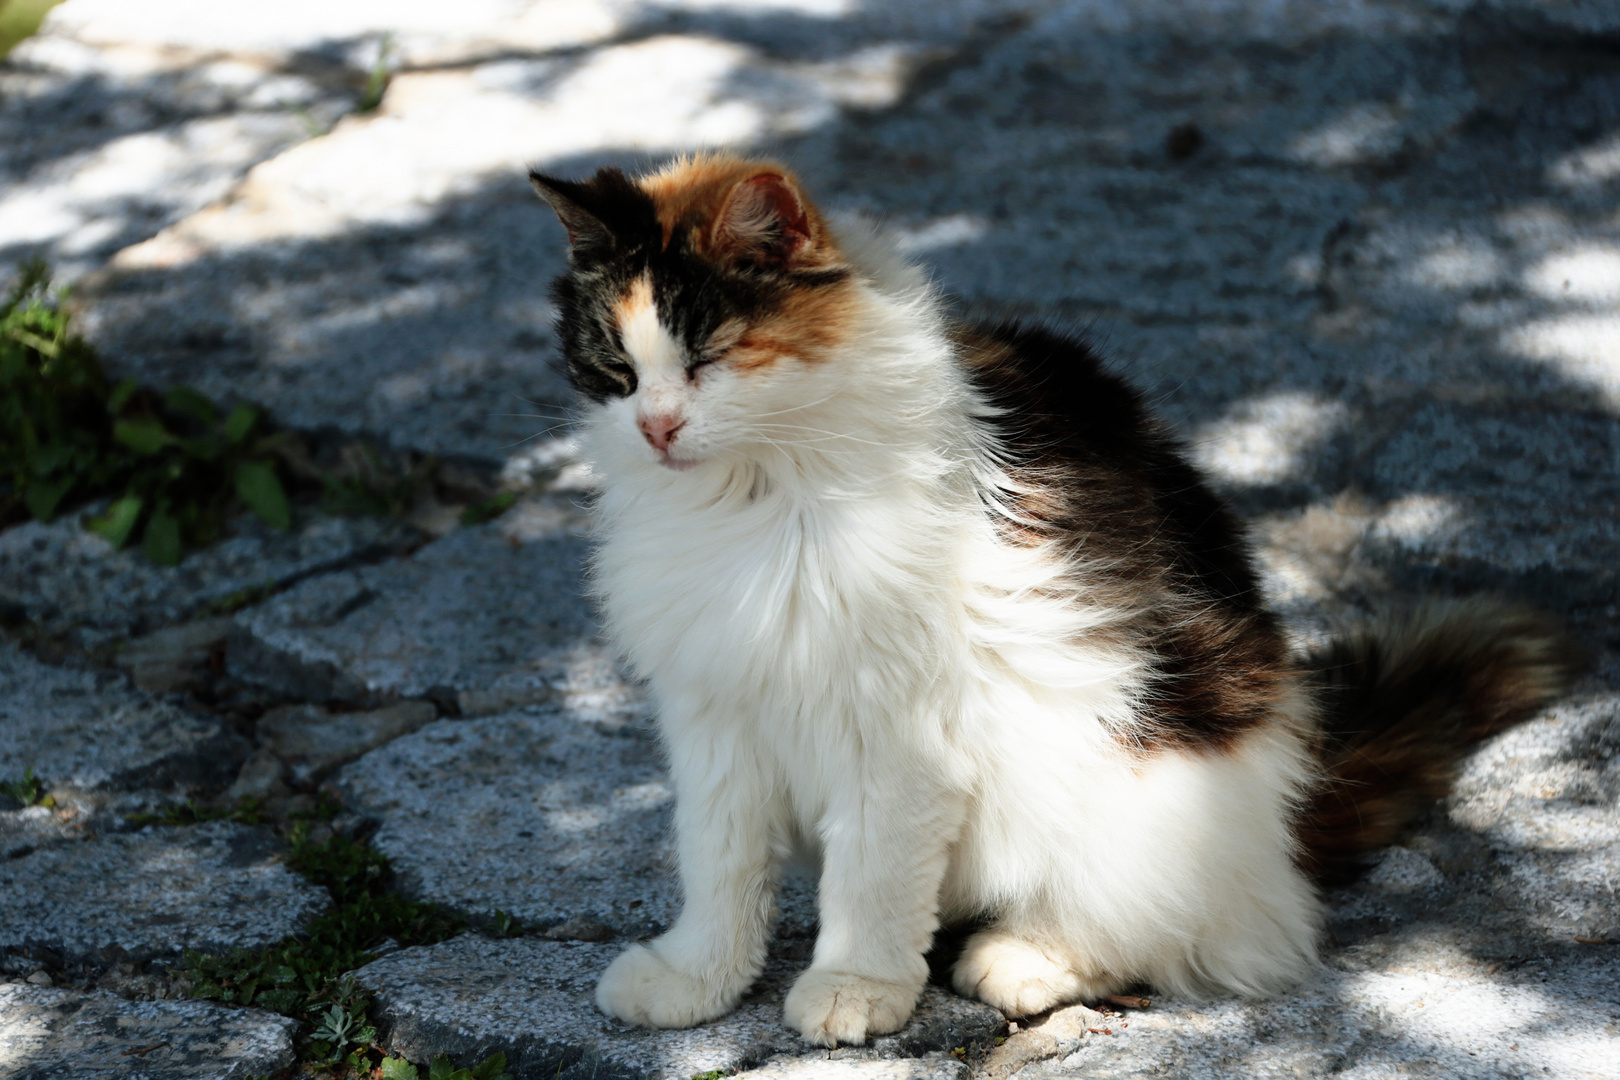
x=84, y=731
x=31, y=827
x=933, y=1067
x=167, y=659
x=1364, y=255
x=545, y=813
x=64, y=579
x=314, y=742
x=533, y=1001
x=477, y=607
x=61, y=1035
x=148, y=895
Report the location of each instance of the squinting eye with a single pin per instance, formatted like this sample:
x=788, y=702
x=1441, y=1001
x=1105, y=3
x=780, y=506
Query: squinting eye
x=697, y=365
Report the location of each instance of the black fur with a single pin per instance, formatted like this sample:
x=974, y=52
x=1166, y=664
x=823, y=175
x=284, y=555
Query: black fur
x=1115, y=490
x=617, y=238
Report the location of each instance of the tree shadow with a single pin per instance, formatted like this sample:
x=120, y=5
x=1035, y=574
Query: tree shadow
x=1333, y=245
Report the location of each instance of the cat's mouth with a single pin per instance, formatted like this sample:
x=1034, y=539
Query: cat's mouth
x=678, y=464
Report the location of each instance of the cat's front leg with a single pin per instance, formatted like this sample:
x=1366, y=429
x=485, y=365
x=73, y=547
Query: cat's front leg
x=729, y=832
x=886, y=846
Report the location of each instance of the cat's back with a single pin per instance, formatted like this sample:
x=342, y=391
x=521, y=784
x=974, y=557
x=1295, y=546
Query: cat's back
x=1099, y=483
x=1102, y=467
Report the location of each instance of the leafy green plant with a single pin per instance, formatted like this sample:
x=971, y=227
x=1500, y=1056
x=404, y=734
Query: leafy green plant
x=174, y=465
x=712, y=1074
x=491, y=1068
x=505, y=925
x=30, y=790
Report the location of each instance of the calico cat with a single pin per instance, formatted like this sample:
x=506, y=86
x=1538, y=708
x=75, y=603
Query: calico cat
x=946, y=607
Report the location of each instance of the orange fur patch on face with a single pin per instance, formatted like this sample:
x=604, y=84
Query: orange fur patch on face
x=634, y=302
x=809, y=325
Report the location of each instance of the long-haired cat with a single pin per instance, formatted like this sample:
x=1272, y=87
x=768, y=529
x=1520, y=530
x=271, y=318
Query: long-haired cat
x=945, y=606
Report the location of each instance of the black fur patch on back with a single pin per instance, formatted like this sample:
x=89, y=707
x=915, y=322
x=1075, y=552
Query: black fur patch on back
x=1113, y=489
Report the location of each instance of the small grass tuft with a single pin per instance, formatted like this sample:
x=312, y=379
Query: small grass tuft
x=307, y=976
x=488, y=510
x=381, y=72
x=30, y=790
x=244, y=812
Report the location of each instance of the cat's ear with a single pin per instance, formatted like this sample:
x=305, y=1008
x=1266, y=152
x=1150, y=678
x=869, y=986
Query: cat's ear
x=765, y=220
x=565, y=197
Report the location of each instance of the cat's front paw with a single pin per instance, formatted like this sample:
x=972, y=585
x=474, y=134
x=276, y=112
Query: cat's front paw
x=641, y=987
x=1008, y=973
x=833, y=1007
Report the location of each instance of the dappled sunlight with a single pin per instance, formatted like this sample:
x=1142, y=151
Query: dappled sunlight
x=1589, y=167
x=1458, y=264
x=1362, y=132
x=1586, y=274
x=1266, y=439
x=952, y=230
x=1585, y=348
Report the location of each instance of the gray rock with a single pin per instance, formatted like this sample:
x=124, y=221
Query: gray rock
x=167, y=659
x=148, y=895
x=70, y=581
x=314, y=742
x=83, y=731
x=532, y=1000
x=263, y=776
x=61, y=1035
x=810, y=1068
x=463, y=612
x=544, y=814
x=32, y=827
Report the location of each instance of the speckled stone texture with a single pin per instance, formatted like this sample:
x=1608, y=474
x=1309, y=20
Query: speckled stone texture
x=532, y=1001
x=63, y=579
x=134, y=897
x=48, y=1034
x=481, y=605
x=1364, y=256
x=544, y=813
x=84, y=731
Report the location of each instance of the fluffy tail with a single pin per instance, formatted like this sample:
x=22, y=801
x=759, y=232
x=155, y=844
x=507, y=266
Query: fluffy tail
x=1402, y=700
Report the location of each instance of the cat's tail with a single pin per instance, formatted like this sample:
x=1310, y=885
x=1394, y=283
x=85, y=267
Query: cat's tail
x=1402, y=699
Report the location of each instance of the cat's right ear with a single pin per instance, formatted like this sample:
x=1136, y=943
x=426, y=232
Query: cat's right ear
x=585, y=229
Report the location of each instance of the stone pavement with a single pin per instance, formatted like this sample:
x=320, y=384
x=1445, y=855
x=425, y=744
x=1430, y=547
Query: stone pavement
x=1366, y=256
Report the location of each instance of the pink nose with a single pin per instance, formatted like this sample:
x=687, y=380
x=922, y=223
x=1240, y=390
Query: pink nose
x=660, y=430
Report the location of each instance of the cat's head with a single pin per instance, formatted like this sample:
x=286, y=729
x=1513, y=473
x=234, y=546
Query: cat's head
x=702, y=305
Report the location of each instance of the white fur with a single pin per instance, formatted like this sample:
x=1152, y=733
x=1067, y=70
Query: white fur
x=845, y=658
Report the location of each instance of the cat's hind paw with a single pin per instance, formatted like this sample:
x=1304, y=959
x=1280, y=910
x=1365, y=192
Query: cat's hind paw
x=836, y=1007
x=1008, y=973
x=640, y=987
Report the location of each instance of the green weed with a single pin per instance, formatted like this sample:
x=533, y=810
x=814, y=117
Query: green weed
x=30, y=790
x=19, y=19
x=491, y=1068
x=245, y=812
x=505, y=925
x=381, y=72
x=488, y=510
x=306, y=976
x=174, y=465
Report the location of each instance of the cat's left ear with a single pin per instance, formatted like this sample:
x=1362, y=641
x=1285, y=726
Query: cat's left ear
x=567, y=198
x=766, y=220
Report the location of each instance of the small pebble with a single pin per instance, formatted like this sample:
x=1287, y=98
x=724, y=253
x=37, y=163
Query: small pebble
x=41, y=978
